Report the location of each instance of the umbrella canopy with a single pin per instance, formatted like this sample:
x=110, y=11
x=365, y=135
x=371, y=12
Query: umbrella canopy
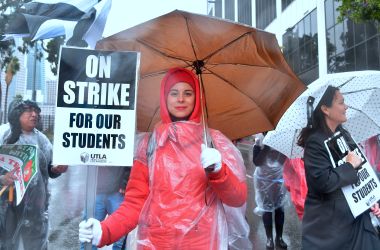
x=361, y=92
x=246, y=81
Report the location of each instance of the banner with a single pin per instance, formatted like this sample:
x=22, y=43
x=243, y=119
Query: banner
x=95, y=118
x=366, y=192
x=22, y=158
x=81, y=21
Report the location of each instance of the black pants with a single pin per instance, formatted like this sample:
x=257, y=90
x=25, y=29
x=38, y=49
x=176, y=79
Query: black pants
x=279, y=218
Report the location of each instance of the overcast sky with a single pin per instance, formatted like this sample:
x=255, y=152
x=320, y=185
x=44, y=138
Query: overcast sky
x=128, y=13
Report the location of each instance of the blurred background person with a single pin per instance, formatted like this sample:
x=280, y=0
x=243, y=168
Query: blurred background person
x=372, y=152
x=110, y=190
x=270, y=192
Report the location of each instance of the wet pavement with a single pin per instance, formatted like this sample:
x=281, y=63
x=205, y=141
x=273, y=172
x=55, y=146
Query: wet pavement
x=68, y=199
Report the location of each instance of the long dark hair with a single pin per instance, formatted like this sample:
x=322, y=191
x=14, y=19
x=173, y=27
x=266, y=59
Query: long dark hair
x=318, y=121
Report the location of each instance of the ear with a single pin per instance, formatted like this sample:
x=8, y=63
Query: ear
x=325, y=110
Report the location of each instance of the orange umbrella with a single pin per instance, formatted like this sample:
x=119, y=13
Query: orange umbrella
x=246, y=81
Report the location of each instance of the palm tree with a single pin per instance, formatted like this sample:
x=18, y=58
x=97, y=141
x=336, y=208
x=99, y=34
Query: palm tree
x=12, y=68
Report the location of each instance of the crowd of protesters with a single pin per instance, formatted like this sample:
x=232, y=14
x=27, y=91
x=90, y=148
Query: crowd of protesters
x=187, y=193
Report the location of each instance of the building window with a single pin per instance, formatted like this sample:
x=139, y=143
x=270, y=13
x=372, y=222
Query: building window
x=265, y=13
x=214, y=8
x=285, y=3
x=350, y=46
x=229, y=9
x=300, y=48
x=245, y=12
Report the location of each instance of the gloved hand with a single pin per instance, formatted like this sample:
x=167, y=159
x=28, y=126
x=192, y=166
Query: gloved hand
x=211, y=157
x=90, y=230
x=259, y=140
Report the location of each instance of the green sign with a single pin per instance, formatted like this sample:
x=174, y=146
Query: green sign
x=22, y=159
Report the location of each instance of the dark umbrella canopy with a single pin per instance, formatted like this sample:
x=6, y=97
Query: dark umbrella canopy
x=246, y=80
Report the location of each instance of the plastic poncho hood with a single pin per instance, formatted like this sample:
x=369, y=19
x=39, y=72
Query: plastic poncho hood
x=172, y=77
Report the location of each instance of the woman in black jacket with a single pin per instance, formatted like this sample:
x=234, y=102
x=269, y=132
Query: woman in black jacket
x=328, y=222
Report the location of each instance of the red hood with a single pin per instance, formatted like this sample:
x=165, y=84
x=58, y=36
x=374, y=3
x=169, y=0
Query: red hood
x=173, y=76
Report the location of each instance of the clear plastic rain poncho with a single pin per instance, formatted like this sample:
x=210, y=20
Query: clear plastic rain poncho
x=30, y=218
x=181, y=201
x=270, y=191
x=184, y=209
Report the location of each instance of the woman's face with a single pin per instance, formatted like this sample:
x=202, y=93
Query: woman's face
x=181, y=99
x=29, y=119
x=336, y=114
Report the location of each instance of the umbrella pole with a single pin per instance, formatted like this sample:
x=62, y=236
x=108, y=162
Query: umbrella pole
x=203, y=111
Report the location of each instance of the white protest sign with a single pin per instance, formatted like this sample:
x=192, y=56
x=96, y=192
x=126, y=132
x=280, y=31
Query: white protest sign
x=366, y=192
x=95, y=118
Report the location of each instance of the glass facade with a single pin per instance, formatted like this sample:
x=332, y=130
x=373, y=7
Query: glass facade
x=285, y=3
x=265, y=13
x=300, y=48
x=350, y=46
x=35, y=69
x=229, y=9
x=244, y=10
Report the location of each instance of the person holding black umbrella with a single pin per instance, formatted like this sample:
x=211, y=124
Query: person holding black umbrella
x=328, y=222
x=178, y=185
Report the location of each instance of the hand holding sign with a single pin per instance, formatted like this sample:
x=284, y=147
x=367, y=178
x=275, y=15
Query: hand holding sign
x=59, y=169
x=8, y=178
x=375, y=209
x=354, y=159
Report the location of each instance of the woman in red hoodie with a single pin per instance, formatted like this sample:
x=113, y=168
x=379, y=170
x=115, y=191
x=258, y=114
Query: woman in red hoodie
x=178, y=186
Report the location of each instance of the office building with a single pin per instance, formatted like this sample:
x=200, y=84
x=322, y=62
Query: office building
x=312, y=41
x=35, y=73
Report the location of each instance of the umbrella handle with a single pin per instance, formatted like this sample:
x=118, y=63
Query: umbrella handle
x=310, y=109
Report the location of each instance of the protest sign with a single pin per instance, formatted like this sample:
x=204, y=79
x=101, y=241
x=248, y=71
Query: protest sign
x=96, y=107
x=363, y=194
x=23, y=158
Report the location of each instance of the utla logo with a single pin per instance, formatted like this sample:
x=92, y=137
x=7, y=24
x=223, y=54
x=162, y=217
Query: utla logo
x=84, y=157
x=98, y=156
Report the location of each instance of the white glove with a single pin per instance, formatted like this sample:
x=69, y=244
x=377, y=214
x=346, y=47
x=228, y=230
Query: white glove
x=90, y=230
x=211, y=157
x=259, y=140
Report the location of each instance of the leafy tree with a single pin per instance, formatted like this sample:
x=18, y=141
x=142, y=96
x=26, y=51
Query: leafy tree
x=359, y=10
x=8, y=48
x=52, y=48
